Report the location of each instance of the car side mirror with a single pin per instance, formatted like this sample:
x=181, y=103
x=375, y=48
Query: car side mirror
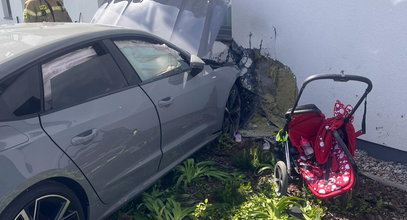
x=196, y=64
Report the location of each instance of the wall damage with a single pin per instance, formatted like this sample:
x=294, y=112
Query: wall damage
x=267, y=87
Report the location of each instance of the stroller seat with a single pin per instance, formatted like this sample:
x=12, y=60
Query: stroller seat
x=329, y=172
x=341, y=176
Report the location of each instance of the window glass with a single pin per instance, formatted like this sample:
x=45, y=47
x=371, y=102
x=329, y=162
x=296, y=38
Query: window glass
x=20, y=95
x=79, y=76
x=150, y=60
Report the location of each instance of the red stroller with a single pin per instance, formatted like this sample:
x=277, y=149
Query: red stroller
x=320, y=149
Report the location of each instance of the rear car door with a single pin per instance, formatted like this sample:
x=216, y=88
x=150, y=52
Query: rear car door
x=109, y=129
x=186, y=104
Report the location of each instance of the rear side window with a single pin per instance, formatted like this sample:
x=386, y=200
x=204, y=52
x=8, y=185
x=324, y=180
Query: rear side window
x=150, y=60
x=79, y=76
x=20, y=95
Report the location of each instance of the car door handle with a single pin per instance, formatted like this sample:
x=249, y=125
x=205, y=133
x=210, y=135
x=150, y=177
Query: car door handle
x=166, y=102
x=84, y=137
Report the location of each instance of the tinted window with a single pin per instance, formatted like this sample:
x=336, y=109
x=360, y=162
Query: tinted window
x=150, y=60
x=20, y=95
x=79, y=76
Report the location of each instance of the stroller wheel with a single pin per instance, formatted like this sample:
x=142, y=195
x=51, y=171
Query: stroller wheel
x=281, y=178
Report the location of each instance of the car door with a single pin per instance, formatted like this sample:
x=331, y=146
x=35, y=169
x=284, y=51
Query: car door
x=186, y=104
x=109, y=129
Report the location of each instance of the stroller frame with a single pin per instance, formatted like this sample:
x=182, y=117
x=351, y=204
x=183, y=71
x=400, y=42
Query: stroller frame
x=283, y=169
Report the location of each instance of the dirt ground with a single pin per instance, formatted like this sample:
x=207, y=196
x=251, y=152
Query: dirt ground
x=371, y=200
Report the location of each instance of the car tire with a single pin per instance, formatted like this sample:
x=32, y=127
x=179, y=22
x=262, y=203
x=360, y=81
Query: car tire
x=231, y=119
x=48, y=200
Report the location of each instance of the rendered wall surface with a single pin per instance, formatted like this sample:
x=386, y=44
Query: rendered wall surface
x=365, y=37
x=16, y=7
x=86, y=7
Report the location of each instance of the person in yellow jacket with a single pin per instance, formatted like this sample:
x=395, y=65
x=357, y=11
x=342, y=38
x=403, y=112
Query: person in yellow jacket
x=45, y=10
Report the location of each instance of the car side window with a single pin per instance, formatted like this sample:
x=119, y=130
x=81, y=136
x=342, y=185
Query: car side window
x=150, y=60
x=20, y=95
x=79, y=76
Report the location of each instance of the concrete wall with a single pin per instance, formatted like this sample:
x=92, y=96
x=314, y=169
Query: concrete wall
x=365, y=37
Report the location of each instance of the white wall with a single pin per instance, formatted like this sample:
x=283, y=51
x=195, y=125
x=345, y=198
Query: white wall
x=87, y=7
x=364, y=37
x=1, y=13
x=16, y=9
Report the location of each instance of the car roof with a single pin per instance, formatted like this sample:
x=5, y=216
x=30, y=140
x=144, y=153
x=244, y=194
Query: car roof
x=22, y=44
x=20, y=38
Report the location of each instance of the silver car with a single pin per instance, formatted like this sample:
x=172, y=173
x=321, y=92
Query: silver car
x=92, y=115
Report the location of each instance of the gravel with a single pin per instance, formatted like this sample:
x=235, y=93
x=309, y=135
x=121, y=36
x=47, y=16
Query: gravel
x=389, y=171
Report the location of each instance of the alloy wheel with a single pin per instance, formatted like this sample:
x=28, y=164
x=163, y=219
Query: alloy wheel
x=49, y=207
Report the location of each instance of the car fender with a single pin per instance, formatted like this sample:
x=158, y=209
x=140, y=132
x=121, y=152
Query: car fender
x=225, y=78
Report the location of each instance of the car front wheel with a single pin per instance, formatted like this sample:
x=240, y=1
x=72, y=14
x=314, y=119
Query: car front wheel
x=49, y=200
x=231, y=118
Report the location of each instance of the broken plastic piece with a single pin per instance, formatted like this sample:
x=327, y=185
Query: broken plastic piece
x=266, y=145
x=238, y=137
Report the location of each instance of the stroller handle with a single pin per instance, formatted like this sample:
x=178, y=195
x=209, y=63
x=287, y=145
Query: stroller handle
x=337, y=78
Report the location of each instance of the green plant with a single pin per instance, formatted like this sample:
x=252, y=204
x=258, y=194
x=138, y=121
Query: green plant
x=189, y=171
x=164, y=208
x=349, y=204
x=234, y=191
x=261, y=206
x=312, y=211
x=200, y=209
x=253, y=158
x=225, y=141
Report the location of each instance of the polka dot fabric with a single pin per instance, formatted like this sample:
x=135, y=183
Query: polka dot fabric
x=323, y=141
x=341, y=176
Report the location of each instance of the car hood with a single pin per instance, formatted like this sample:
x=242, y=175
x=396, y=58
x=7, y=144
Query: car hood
x=190, y=24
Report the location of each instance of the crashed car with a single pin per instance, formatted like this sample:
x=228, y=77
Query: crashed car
x=91, y=115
